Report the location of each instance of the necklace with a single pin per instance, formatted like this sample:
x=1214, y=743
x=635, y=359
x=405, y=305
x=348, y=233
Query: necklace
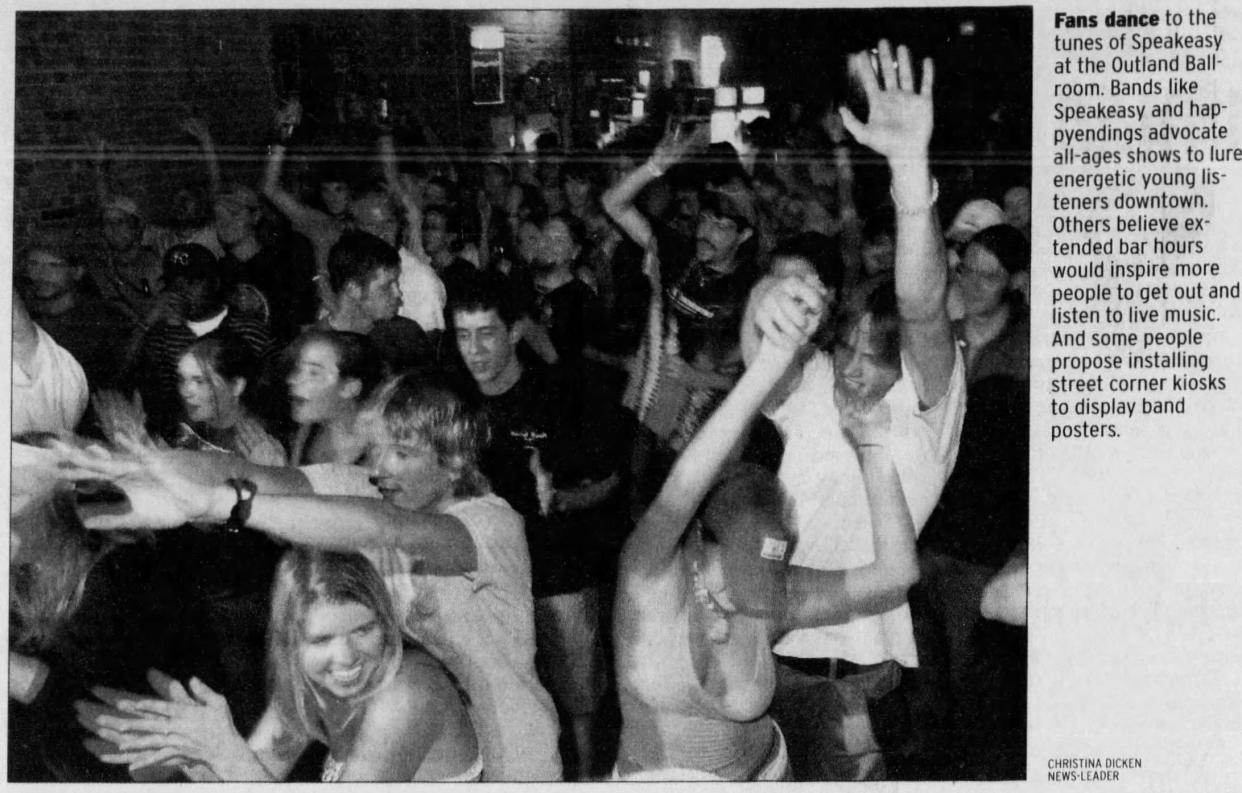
x=718, y=625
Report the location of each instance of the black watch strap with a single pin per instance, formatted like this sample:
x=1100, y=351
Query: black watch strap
x=246, y=491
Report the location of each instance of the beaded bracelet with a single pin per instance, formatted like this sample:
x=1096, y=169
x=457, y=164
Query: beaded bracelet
x=918, y=210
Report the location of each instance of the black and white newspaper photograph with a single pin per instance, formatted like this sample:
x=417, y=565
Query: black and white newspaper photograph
x=510, y=392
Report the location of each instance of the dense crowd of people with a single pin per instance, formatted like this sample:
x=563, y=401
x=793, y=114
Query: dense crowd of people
x=658, y=464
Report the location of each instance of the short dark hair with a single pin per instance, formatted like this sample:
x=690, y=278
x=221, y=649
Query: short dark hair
x=357, y=357
x=1007, y=244
x=356, y=257
x=875, y=297
x=485, y=292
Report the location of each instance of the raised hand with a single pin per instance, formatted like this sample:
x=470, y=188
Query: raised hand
x=191, y=725
x=287, y=117
x=900, y=114
x=676, y=145
x=122, y=418
x=196, y=128
x=159, y=497
x=789, y=313
x=255, y=444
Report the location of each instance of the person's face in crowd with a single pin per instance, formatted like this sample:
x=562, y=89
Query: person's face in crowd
x=862, y=376
x=495, y=184
x=342, y=647
x=487, y=346
x=879, y=254
x=197, y=295
x=769, y=195
x=556, y=245
x=46, y=276
x=718, y=238
x=435, y=233
x=1018, y=208
x=515, y=210
x=335, y=197
x=409, y=474
x=981, y=281
x=374, y=215
x=686, y=203
x=435, y=195
x=577, y=191
x=235, y=222
x=205, y=396
x=381, y=298
x=791, y=213
x=529, y=237
x=121, y=230
x=317, y=393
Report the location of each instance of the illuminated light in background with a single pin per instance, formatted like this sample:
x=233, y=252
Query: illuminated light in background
x=749, y=114
x=967, y=28
x=528, y=139
x=724, y=126
x=638, y=109
x=487, y=37
x=753, y=95
x=711, y=58
x=726, y=96
x=644, y=78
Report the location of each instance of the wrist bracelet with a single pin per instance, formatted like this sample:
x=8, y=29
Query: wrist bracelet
x=246, y=491
x=653, y=169
x=916, y=210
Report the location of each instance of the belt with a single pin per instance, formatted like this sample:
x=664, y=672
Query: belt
x=831, y=668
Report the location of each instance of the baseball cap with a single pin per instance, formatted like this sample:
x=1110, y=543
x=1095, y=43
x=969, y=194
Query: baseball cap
x=973, y=217
x=745, y=512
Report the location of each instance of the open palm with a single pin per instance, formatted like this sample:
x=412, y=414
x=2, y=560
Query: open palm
x=900, y=114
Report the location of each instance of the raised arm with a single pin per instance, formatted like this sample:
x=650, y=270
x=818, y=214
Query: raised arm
x=829, y=597
x=197, y=128
x=652, y=546
x=413, y=241
x=899, y=127
x=618, y=200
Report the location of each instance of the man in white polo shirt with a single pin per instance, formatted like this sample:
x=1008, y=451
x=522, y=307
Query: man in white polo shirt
x=893, y=344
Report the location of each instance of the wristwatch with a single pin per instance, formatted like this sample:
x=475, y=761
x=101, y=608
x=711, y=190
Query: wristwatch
x=246, y=491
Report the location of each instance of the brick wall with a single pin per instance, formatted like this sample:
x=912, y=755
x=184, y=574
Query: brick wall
x=129, y=77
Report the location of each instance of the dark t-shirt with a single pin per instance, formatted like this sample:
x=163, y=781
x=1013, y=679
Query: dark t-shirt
x=284, y=273
x=577, y=442
x=571, y=313
x=982, y=513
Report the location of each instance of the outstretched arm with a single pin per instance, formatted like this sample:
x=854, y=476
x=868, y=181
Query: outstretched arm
x=828, y=597
x=899, y=127
x=161, y=497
